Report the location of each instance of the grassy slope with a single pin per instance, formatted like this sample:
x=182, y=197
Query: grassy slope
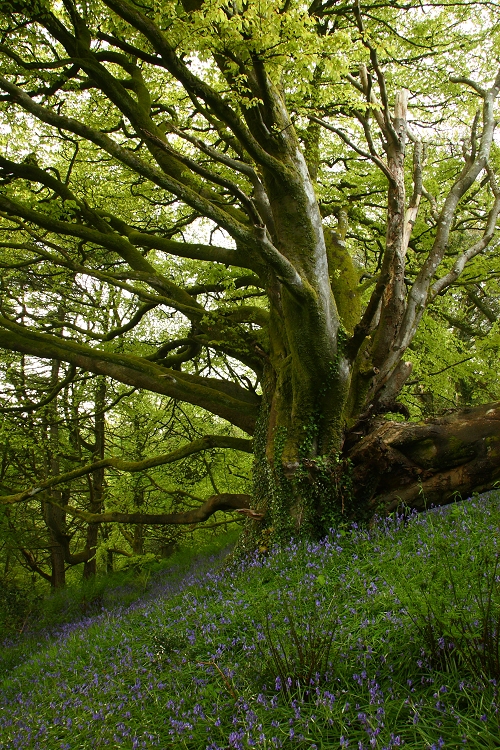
x=196, y=662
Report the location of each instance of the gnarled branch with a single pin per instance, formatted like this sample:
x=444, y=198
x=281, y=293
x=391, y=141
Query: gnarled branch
x=204, y=443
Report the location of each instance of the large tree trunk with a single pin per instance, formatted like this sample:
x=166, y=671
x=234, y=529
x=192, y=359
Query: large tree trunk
x=384, y=466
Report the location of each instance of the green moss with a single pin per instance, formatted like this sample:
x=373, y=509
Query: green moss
x=424, y=452
x=493, y=445
x=343, y=280
x=439, y=454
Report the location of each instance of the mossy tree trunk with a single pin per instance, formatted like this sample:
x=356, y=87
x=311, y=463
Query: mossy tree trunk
x=54, y=516
x=96, y=480
x=322, y=371
x=332, y=370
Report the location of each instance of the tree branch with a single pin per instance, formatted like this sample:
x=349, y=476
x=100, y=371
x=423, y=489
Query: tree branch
x=226, y=502
x=224, y=398
x=366, y=154
x=418, y=296
x=205, y=443
x=202, y=205
x=478, y=247
x=231, y=186
x=112, y=241
x=50, y=396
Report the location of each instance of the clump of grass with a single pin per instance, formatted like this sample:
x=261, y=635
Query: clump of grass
x=299, y=645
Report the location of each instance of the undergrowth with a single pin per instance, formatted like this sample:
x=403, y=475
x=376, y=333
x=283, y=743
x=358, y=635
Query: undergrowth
x=379, y=638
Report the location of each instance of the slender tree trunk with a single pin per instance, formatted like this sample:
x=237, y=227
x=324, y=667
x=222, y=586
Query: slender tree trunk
x=58, y=568
x=109, y=561
x=138, y=539
x=90, y=566
x=96, y=482
x=54, y=517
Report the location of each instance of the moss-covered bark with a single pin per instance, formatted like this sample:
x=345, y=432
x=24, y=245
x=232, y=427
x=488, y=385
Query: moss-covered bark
x=419, y=465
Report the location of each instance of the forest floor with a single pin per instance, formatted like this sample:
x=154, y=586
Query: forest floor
x=380, y=638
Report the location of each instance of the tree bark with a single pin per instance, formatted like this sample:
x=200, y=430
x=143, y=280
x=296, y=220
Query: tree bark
x=434, y=463
x=96, y=480
x=54, y=516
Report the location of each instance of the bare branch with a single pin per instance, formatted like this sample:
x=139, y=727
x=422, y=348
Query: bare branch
x=465, y=257
x=472, y=84
x=387, y=126
x=418, y=296
x=367, y=155
x=238, y=166
x=245, y=201
x=413, y=206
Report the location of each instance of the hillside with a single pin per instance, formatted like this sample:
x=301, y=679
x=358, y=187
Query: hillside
x=368, y=639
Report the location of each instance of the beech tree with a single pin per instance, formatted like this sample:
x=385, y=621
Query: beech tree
x=280, y=192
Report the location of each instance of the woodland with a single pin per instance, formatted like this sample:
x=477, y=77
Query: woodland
x=249, y=271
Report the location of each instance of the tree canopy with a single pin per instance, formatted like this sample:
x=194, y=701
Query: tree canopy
x=281, y=214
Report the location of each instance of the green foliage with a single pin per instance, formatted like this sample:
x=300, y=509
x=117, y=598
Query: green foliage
x=460, y=371
x=137, y=425
x=18, y=606
x=29, y=609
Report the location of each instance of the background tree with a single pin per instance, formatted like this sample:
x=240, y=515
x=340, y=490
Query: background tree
x=271, y=198
x=85, y=417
